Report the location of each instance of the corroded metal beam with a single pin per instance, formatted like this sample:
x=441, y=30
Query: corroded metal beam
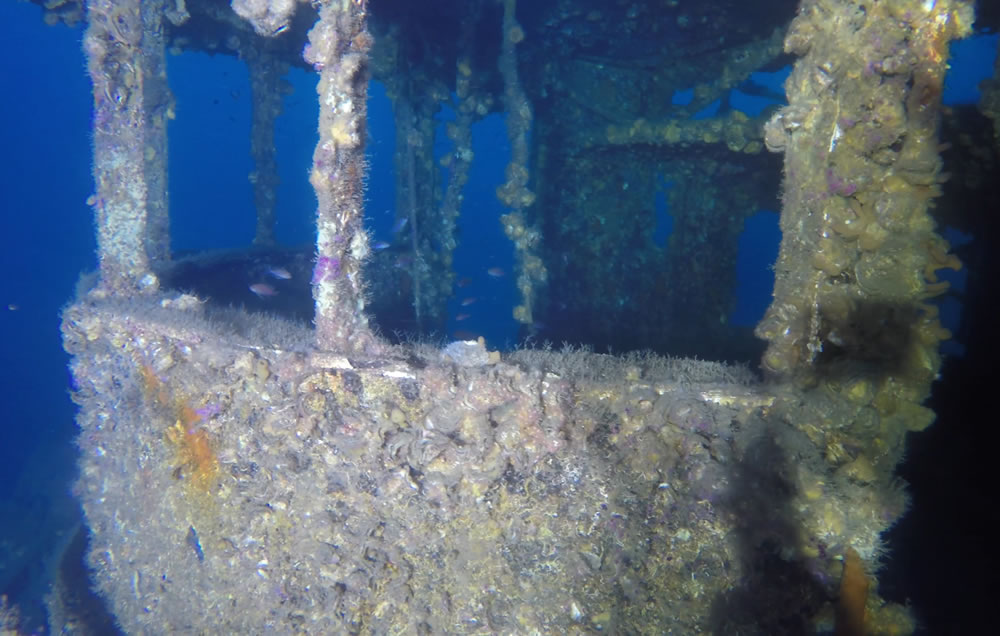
x=125, y=57
x=338, y=50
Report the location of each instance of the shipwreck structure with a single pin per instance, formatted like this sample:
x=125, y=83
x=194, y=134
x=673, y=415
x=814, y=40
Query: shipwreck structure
x=244, y=472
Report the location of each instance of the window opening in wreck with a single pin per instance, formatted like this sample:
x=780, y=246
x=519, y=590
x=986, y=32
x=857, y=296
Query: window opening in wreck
x=294, y=139
x=224, y=228
x=758, y=252
x=209, y=158
x=481, y=300
x=218, y=253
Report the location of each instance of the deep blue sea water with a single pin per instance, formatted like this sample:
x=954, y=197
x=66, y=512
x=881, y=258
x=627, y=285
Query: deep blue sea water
x=47, y=238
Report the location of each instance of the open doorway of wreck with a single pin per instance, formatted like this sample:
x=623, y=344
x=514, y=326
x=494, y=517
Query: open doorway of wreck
x=560, y=471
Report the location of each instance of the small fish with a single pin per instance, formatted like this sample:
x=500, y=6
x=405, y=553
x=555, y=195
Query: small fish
x=468, y=301
x=465, y=281
x=496, y=272
x=404, y=261
x=400, y=223
x=378, y=246
x=263, y=290
x=280, y=273
x=461, y=317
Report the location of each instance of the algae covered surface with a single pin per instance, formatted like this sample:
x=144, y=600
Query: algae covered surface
x=242, y=471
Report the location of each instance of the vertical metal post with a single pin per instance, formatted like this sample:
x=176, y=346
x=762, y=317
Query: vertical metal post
x=515, y=193
x=265, y=84
x=338, y=48
x=859, y=136
x=125, y=53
